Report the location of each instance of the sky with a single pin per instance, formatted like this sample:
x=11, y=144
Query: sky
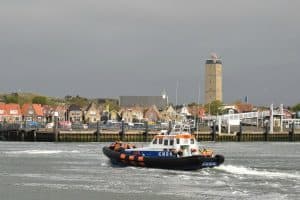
x=108, y=48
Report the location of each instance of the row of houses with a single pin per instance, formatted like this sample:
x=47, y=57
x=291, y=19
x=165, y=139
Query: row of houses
x=14, y=113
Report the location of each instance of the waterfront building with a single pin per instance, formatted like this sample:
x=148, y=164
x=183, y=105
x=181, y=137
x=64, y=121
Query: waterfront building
x=196, y=111
x=51, y=111
x=114, y=115
x=10, y=113
x=74, y=113
x=169, y=114
x=152, y=114
x=33, y=112
x=144, y=101
x=132, y=114
x=213, y=79
x=92, y=114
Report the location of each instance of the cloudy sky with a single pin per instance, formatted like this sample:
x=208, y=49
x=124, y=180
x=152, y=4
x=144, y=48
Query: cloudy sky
x=107, y=48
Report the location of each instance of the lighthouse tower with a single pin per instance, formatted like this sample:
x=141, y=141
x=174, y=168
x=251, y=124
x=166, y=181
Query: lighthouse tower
x=213, y=79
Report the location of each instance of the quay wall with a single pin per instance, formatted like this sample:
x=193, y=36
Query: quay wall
x=41, y=135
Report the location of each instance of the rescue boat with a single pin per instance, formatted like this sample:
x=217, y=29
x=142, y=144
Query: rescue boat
x=177, y=150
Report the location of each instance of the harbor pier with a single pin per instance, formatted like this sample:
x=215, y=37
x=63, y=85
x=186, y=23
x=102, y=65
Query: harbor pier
x=98, y=135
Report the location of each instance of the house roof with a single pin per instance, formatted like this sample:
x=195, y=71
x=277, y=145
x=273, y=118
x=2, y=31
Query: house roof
x=38, y=109
x=60, y=108
x=91, y=106
x=25, y=108
x=3, y=109
x=153, y=108
x=13, y=106
x=74, y=107
x=10, y=109
x=244, y=107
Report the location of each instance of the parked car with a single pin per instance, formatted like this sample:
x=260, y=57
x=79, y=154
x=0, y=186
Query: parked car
x=32, y=124
x=50, y=125
x=66, y=125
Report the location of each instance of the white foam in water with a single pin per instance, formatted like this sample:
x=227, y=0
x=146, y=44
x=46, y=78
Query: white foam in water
x=41, y=152
x=240, y=170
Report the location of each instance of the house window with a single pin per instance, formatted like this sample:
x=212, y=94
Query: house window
x=177, y=140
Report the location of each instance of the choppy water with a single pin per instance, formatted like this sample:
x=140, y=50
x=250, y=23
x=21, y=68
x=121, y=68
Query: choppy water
x=34, y=171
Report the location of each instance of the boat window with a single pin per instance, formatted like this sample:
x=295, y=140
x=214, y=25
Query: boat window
x=177, y=140
x=192, y=141
x=166, y=142
x=171, y=142
x=155, y=141
x=160, y=140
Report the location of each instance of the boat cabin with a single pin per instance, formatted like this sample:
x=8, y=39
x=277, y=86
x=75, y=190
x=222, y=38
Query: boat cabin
x=184, y=144
x=176, y=143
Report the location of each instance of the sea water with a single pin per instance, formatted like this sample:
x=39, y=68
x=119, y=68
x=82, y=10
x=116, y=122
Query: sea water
x=71, y=171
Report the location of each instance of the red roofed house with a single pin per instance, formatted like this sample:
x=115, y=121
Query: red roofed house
x=10, y=113
x=33, y=112
x=244, y=107
x=2, y=112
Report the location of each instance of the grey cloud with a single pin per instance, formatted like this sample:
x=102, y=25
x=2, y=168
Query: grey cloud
x=112, y=48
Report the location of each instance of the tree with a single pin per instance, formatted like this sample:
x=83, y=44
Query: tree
x=77, y=100
x=214, y=107
x=296, y=108
x=40, y=100
x=13, y=98
x=111, y=105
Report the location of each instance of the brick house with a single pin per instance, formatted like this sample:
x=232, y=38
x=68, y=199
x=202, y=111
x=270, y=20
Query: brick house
x=62, y=112
x=74, y=113
x=152, y=114
x=50, y=111
x=2, y=112
x=114, y=115
x=10, y=113
x=92, y=114
x=33, y=112
x=168, y=114
x=244, y=107
x=132, y=114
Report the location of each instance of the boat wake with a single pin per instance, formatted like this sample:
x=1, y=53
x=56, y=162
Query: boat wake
x=41, y=152
x=241, y=170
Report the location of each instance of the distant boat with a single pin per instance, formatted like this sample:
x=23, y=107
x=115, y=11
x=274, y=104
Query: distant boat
x=177, y=150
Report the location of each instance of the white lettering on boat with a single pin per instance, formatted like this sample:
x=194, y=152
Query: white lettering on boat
x=165, y=154
x=209, y=164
